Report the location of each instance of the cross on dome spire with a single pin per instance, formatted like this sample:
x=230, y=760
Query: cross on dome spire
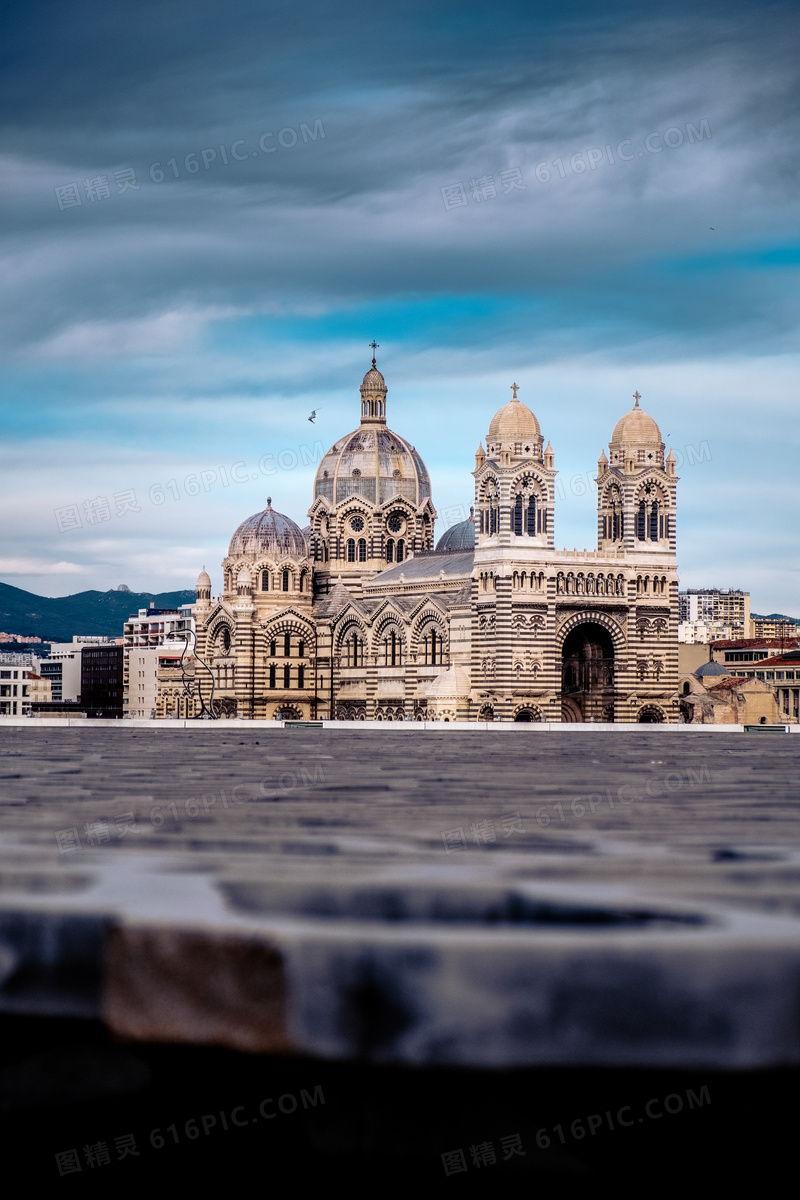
x=374, y=346
x=637, y=398
x=514, y=388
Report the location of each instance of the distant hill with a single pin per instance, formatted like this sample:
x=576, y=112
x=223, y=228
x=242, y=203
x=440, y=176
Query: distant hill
x=774, y=617
x=59, y=619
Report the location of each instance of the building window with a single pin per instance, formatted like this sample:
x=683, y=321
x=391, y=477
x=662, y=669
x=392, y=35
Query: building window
x=362, y=549
x=287, y=676
x=351, y=550
x=300, y=648
x=265, y=581
x=654, y=522
x=285, y=580
x=641, y=522
x=301, y=677
x=287, y=645
x=390, y=550
x=530, y=524
x=518, y=516
x=401, y=550
x=272, y=649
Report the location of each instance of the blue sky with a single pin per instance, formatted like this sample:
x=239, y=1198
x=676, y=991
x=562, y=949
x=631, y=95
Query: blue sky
x=620, y=213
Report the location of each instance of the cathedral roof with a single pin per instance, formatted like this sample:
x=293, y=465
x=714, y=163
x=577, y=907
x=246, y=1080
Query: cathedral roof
x=636, y=426
x=374, y=463
x=426, y=566
x=513, y=422
x=458, y=537
x=268, y=532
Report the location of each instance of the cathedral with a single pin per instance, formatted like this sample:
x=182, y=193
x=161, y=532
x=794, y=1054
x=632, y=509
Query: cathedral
x=360, y=616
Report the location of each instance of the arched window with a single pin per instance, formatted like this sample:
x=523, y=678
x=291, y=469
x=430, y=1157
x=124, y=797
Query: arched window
x=265, y=581
x=518, y=516
x=362, y=549
x=392, y=649
x=301, y=677
x=351, y=550
x=272, y=649
x=324, y=551
x=302, y=581
x=401, y=549
x=285, y=580
x=300, y=648
x=390, y=550
x=287, y=645
x=654, y=522
x=530, y=522
x=287, y=676
x=272, y=676
x=641, y=522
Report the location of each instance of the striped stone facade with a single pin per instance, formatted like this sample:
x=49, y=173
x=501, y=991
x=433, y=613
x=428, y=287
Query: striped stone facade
x=358, y=617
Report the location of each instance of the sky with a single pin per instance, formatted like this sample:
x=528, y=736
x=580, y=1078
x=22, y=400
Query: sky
x=208, y=211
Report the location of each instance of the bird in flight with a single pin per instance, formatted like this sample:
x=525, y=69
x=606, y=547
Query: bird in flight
x=313, y=415
x=711, y=227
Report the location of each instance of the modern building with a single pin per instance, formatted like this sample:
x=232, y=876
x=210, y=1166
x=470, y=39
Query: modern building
x=102, y=680
x=725, y=606
x=692, y=633
x=782, y=628
x=748, y=650
x=145, y=635
x=62, y=667
x=359, y=616
x=20, y=684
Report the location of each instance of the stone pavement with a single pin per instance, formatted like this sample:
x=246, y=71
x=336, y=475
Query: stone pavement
x=545, y=897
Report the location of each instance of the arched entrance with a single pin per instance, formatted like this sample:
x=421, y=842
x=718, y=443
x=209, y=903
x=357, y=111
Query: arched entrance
x=587, y=674
x=651, y=714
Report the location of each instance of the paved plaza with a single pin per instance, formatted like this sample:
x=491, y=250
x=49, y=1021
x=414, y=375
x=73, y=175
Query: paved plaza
x=527, y=922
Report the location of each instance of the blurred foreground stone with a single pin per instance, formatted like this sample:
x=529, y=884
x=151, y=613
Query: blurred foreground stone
x=540, y=897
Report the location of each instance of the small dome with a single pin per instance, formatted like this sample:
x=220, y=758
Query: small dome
x=373, y=381
x=454, y=683
x=711, y=668
x=204, y=579
x=636, y=426
x=458, y=537
x=513, y=422
x=268, y=532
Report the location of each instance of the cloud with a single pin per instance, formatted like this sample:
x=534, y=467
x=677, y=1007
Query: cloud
x=32, y=566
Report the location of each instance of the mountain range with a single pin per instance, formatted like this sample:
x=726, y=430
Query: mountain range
x=57, y=619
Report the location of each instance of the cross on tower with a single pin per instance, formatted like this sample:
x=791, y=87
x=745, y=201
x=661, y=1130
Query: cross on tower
x=514, y=387
x=637, y=398
x=373, y=346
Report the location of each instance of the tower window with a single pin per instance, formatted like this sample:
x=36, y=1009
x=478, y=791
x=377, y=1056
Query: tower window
x=300, y=648
x=390, y=550
x=401, y=548
x=301, y=677
x=518, y=516
x=351, y=550
x=287, y=676
x=362, y=549
x=287, y=645
x=272, y=649
x=265, y=581
x=272, y=674
x=530, y=526
x=641, y=522
x=285, y=580
x=654, y=522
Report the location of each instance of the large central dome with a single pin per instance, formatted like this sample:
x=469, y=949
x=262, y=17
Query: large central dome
x=372, y=462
